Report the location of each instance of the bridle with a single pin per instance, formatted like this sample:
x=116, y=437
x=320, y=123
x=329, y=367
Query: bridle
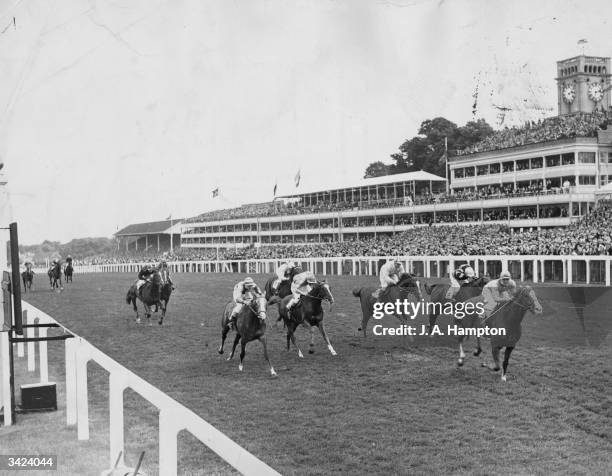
x=325, y=298
x=515, y=301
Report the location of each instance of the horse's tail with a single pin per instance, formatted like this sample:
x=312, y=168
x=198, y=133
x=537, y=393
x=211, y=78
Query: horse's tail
x=357, y=292
x=129, y=296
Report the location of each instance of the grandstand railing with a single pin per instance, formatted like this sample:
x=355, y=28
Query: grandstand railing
x=587, y=269
x=173, y=417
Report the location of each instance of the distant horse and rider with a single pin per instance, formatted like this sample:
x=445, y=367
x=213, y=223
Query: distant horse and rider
x=153, y=288
x=55, y=275
x=68, y=270
x=396, y=285
x=246, y=314
x=28, y=277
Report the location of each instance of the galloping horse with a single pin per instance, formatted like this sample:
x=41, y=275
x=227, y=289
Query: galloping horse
x=468, y=292
x=55, y=276
x=309, y=311
x=68, y=270
x=509, y=316
x=250, y=325
x=149, y=294
x=28, y=277
x=406, y=288
x=164, y=297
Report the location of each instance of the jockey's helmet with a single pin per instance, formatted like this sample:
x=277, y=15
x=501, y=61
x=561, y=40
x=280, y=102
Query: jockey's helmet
x=311, y=280
x=248, y=282
x=298, y=269
x=469, y=272
x=163, y=263
x=505, y=276
x=290, y=264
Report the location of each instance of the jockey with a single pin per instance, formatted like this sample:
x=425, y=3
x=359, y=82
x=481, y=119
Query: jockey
x=462, y=275
x=164, y=272
x=283, y=273
x=244, y=292
x=498, y=291
x=68, y=260
x=389, y=275
x=300, y=286
x=144, y=275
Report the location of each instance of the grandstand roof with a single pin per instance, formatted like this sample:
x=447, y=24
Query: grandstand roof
x=419, y=176
x=150, y=228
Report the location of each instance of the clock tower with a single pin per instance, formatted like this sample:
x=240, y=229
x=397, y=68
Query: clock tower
x=583, y=84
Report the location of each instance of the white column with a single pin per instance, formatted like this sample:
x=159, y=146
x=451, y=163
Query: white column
x=42, y=354
x=168, y=432
x=71, y=381
x=30, y=331
x=82, y=403
x=608, y=272
x=522, y=271
x=5, y=378
x=117, y=384
x=588, y=271
x=569, y=271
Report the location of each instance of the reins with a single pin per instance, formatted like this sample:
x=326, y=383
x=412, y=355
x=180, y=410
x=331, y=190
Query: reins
x=513, y=300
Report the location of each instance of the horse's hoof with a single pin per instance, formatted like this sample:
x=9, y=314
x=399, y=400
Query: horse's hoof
x=220, y=351
x=332, y=351
x=240, y=367
x=273, y=373
x=160, y=322
x=310, y=351
x=503, y=377
x=460, y=362
x=300, y=355
x=138, y=321
x=477, y=352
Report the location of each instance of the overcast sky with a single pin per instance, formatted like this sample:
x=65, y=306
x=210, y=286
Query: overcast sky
x=125, y=111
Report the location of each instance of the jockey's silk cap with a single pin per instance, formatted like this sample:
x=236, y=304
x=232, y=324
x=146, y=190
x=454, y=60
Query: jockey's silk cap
x=505, y=275
x=249, y=282
x=469, y=272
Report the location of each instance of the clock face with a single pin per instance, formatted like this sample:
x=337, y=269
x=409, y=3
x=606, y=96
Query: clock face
x=596, y=92
x=569, y=94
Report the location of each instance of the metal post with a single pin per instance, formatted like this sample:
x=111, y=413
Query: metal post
x=15, y=278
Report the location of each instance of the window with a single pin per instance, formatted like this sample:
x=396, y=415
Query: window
x=586, y=180
x=483, y=169
x=459, y=173
x=494, y=168
x=536, y=163
x=553, y=160
x=568, y=159
x=522, y=164
x=508, y=166
x=586, y=157
x=469, y=171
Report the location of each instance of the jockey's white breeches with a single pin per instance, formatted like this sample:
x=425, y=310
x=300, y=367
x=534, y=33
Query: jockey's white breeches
x=387, y=281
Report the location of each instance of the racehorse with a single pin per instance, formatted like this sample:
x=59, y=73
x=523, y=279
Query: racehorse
x=309, y=311
x=405, y=287
x=149, y=294
x=250, y=325
x=55, y=276
x=509, y=316
x=68, y=273
x=28, y=277
x=164, y=297
x=468, y=292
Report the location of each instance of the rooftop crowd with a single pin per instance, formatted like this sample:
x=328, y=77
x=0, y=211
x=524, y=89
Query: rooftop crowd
x=549, y=129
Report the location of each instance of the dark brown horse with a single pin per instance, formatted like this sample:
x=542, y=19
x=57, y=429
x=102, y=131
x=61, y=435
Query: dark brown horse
x=28, y=277
x=508, y=316
x=55, y=276
x=68, y=270
x=149, y=294
x=407, y=288
x=250, y=325
x=468, y=292
x=308, y=311
x=164, y=297
x=284, y=287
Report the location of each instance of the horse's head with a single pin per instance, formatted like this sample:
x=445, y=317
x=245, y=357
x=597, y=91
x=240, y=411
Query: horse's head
x=156, y=278
x=480, y=282
x=259, y=305
x=322, y=291
x=526, y=298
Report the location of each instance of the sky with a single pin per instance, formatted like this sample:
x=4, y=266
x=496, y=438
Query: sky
x=119, y=112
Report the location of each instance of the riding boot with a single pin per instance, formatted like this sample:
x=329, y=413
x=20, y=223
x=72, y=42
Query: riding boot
x=376, y=294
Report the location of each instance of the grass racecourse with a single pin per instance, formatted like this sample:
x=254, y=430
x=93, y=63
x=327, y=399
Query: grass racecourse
x=384, y=405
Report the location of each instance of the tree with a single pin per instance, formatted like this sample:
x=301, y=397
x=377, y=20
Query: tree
x=376, y=169
x=426, y=151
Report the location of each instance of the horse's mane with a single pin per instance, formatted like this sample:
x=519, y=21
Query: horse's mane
x=407, y=280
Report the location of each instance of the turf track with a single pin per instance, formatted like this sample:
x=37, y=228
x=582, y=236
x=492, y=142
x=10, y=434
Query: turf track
x=382, y=406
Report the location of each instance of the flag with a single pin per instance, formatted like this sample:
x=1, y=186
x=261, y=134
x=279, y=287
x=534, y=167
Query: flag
x=215, y=192
x=169, y=217
x=275, y=187
x=582, y=41
x=297, y=178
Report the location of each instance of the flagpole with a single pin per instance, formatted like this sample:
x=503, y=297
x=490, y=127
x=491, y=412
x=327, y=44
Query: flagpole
x=446, y=162
x=171, y=236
